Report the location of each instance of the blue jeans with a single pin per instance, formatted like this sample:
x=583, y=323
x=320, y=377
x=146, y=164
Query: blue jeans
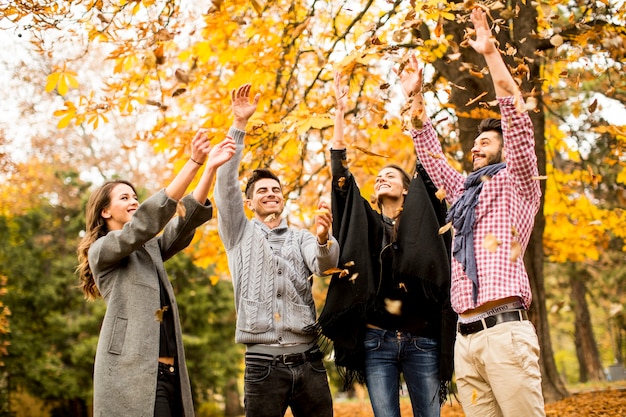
x=270, y=387
x=390, y=353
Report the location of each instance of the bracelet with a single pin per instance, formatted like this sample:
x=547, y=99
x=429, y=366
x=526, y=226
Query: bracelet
x=193, y=160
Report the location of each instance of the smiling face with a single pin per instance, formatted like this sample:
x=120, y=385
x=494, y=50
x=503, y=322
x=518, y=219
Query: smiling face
x=487, y=149
x=390, y=184
x=267, y=198
x=123, y=204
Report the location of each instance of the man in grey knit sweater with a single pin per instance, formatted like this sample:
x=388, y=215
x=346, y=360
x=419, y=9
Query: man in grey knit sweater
x=271, y=265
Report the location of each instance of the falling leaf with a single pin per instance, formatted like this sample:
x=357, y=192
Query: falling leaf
x=475, y=99
x=474, y=396
x=539, y=177
x=445, y=228
x=343, y=273
x=270, y=218
x=354, y=277
x=556, y=40
x=277, y=316
x=178, y=92
x=402, y=286
x=341, y=182
x=477, y=74
x=385, y=86
x=332, y=271
x=349, y=264
x=514, y=231
x=516, y=251
x=257, y=7
x=368, y=152
x=491, y=243
x=593, y=106
x=158, y=55
x=181, y=75
x=393, y=306
x=180, y=209
x=158, y=315
x=440, y=194
x=432, y=155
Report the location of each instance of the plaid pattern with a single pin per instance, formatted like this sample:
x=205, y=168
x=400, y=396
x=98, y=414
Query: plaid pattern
x=506, y=210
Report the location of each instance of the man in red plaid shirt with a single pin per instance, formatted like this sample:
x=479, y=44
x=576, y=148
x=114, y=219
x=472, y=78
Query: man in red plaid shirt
x=496, y=354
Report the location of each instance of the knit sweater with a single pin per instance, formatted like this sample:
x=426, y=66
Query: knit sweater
x=272, y=288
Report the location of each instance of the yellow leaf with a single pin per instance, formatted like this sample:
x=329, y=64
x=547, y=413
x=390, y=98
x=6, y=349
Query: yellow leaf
x=62, y=86
x=491, y=242
x=257, y=7
x=393, y=306
x=516, y=251
x=445, y=228
x=52, y=81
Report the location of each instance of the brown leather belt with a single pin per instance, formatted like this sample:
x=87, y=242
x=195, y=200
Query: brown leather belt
x=490, y=321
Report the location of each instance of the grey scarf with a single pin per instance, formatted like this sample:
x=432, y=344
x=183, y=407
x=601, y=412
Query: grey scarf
x=463, y=215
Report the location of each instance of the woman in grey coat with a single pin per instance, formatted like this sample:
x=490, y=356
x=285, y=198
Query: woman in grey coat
x=140, y=365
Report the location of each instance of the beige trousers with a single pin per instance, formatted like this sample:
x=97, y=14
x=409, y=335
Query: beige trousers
x=497, y=371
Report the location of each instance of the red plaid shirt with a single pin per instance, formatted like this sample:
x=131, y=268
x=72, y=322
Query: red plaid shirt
x=506, y=210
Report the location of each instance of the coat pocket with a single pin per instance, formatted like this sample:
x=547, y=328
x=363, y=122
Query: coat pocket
x=118, y=335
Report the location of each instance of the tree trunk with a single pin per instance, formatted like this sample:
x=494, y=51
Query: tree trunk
x=233, y=406
x=590, y=366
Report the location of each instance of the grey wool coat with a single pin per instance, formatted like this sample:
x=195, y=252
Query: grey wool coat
x=127, y=265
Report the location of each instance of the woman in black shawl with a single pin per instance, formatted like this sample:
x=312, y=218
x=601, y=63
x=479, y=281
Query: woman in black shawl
x=388, y=311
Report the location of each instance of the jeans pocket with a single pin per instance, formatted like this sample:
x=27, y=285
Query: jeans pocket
x=256, y=372
x=425, y=344
x=317, y=366
x=372, y=341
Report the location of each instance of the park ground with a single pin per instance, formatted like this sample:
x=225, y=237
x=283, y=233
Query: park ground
x=603, y=400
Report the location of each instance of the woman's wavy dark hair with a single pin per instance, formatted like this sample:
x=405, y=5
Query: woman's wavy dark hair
x=95, y=228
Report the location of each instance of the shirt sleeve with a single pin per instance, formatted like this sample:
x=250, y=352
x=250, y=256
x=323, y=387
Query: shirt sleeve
x=432, y=158
x=519, y=148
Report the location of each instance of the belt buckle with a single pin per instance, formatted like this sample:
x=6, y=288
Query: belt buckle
x=291, y=359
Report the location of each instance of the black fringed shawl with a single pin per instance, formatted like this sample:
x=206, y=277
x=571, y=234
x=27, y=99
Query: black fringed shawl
x=420, y=255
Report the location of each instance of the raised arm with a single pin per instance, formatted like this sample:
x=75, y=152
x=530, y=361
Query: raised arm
x=341, y=99
x=228, y=196
x=484, y=44
x=199, y=149
x=218, y=155
x=411, y=79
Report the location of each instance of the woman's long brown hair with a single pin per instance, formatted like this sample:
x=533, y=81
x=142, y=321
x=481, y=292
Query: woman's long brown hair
x=95, y=228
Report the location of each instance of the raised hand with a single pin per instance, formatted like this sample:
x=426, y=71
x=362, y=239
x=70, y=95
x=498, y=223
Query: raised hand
x=341, y=92
x=222, y=152
x=323, y=222
x=411, y=77
x=200, y=145
x=484, y=43
x=242, y=107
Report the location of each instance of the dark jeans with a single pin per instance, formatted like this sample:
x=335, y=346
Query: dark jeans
x=168, y=402
x=270, y=387
x=390, y=353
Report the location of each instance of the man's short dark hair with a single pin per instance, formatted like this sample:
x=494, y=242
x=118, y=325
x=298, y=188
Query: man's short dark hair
x=259, y=174
x=487, y=125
